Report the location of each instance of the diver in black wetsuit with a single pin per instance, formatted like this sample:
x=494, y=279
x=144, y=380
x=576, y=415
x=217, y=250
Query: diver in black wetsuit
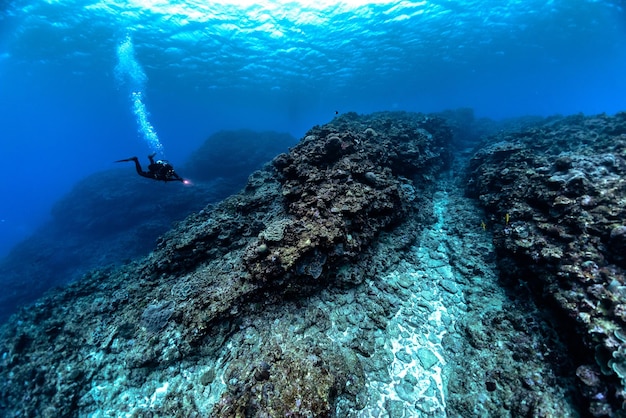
x=157, y=170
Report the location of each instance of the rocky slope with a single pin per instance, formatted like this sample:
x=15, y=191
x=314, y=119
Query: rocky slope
x=352, y=277
x=556, y=202
x=161, y=334
x=114, y=216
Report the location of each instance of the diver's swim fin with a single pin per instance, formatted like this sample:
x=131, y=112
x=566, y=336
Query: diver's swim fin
x=127, y=159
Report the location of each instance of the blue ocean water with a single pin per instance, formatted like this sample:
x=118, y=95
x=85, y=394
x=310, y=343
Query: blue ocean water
x=85, y=83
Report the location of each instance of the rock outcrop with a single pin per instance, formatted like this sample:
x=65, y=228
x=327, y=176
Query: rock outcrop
x=556, y=202
x=178, y=331
x=115, y=216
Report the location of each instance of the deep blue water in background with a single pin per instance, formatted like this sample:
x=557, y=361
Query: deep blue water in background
x=275, y=65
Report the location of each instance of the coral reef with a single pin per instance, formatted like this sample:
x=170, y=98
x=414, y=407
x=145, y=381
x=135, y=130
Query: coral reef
x=211, y=322
x=555, y=196
x=356, y=275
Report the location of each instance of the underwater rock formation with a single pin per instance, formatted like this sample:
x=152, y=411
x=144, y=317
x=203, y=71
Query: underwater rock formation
x=205, y=325
x=114, y=216
x=107, y=218
x=235, y=154
x=556, y=202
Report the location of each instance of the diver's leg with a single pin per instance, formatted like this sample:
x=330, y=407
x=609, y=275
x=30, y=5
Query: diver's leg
x=138, y=167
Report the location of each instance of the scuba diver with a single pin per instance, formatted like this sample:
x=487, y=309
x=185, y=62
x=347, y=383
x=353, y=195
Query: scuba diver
x=157, y=170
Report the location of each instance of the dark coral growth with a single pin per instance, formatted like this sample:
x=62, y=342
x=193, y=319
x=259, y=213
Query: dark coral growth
x=301, y=381
x=165, y=334
x=324, y=203
x=343, y=184
x=556, y=196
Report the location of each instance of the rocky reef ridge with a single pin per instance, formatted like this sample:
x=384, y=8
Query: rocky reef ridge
x=115, y=216
x=555, y=197
x=176, y=333
x=356, y=275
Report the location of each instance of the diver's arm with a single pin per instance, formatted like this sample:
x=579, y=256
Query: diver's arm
x=173, y=177
x=176, y=177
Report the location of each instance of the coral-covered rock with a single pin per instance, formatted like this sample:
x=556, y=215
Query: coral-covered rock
x=340, y=188
x=556, y=198
x=197, y=326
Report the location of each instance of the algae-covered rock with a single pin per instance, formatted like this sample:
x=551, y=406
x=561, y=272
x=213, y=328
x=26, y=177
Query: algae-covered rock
x=555, y=197
x=214, y=321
